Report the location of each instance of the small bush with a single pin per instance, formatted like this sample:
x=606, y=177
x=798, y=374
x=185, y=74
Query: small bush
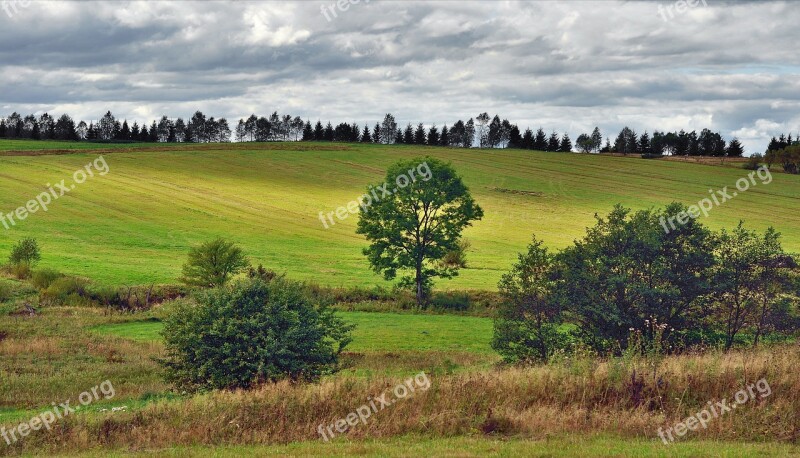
x=66, y=290
x=457, y=258
x=21, y=270
x=213, y=263
x=26, y=251
x=5, y=291
x=108, y=296
x=260, y=272
x=753, y=162
x=251, y=333
x=455, y=301
x=42, y=279
x=133, y=298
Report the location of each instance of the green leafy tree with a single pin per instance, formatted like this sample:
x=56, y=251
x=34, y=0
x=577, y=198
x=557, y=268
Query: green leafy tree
x=585, y=143
x=213, y=263
x=25, y=252
x=254, y=332
x=418, y=224
x=628, y=269
x=752, y=282
x=776, y=271
x=527, y=326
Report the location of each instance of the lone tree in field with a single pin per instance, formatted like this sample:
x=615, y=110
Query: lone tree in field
x=25, y=252
x=213, y=263
x=416, y=219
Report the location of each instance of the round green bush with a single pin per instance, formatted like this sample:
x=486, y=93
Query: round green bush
x=253, y=332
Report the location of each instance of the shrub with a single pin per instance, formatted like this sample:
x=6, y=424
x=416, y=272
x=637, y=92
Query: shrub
x=21, y=270
x=753, y=162
x=66, y=290
x=457, y=301
x=260, y=272
x=251, y=333
x=5, y=291
x=42, y=279
x=213, y=263
x=527, y=328
x=457, y=258
x=26, y=251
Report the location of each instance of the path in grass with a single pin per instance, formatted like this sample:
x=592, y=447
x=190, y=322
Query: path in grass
x=375, y=332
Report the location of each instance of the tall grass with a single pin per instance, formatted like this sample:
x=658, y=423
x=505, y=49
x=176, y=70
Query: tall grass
x=581, y=396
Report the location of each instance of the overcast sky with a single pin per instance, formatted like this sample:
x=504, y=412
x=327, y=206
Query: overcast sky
x=567, y=65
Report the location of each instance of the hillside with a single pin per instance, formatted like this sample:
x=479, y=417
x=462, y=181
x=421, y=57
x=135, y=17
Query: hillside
x=135, y=224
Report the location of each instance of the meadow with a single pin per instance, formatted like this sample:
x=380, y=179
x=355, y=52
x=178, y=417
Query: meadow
x=135, y=224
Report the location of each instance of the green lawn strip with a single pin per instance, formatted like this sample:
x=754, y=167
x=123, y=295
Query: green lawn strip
x=12, y=417
x=478, y=446
x=375, y=332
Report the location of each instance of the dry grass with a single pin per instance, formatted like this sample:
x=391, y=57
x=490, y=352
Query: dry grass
x=584, y=396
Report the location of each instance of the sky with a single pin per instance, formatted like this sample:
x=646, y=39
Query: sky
x=567, y=66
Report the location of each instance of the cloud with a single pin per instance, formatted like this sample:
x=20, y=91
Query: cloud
x=728, y=66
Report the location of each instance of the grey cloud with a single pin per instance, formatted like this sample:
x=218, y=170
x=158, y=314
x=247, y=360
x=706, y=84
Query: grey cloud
x=731, y=66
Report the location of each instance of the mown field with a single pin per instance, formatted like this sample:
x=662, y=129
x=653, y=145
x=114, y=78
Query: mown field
x=135, y=224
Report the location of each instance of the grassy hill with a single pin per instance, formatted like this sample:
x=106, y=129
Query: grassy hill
x=135, y=224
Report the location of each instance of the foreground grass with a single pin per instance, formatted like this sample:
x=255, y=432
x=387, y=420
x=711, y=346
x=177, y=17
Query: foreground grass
x=469, y=446
x=472, y=407
x=136, y=224
x=582, y=397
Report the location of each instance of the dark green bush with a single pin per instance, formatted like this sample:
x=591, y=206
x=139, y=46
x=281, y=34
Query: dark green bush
x=251, y=333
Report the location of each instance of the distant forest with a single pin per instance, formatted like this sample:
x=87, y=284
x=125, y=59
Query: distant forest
x=483, y=131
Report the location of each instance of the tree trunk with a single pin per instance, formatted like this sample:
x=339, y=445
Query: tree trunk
x=420, y=292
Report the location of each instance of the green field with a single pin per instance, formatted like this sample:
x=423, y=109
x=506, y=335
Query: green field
x=135, y=224
x=567, y=446
x=374, y=332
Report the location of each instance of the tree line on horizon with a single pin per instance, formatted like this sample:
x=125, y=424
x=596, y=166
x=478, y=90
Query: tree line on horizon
x=483, y=131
